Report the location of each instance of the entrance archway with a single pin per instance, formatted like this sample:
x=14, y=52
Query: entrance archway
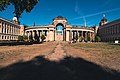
x=59, y=32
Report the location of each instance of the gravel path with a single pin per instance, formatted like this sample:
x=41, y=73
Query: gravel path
x=58, y=53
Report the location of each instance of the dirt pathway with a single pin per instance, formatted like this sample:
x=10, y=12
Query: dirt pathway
x=58, y=53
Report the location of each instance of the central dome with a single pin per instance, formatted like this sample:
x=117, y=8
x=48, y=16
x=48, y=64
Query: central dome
x=59, y=18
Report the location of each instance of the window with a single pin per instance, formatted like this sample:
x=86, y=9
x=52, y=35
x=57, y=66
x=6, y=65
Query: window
x=2, y=37
x=5, y=37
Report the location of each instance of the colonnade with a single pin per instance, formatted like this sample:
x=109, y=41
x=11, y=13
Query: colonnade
x=67, y=34
x=39, y=33
x=83, y=34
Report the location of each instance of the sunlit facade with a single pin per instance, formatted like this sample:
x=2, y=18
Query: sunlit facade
x=109, y=31
x=9, y=30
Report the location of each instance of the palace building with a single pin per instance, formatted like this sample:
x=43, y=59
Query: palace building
x=9, y=30
x=108, y=31
x=68, y=31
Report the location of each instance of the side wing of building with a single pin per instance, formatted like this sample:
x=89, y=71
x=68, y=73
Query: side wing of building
x=9, y=30
x=110, y=32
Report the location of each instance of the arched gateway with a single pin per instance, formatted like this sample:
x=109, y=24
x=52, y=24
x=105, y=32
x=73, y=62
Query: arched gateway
x=60, y=21
x=52, y=33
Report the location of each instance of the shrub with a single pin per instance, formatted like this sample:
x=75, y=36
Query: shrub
x=88, y=38
x=30, y=38
x=97, y=39
x=36, y=37
x=25, y=37
x=20, y=38
x=82, y=38
x=76, y=37
x=43, y=38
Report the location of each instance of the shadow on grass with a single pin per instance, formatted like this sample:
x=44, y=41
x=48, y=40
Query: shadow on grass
x=69, y=68
x=117, y=44
x=18, y=43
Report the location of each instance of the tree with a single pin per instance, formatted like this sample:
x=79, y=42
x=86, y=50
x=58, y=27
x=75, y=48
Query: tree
x=30, y=38
x=25, y=38
x=97, y=39
x=76, y=37
x=82, y=39
x=20, y=38
x=36, y=37
x=43, y=38
x=19, y=5
x=88, y=38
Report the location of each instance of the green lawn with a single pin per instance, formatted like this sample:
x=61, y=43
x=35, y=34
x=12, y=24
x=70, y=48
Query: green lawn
x=101, y=47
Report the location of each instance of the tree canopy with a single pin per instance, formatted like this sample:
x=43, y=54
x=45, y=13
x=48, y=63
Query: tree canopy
x=19, y=6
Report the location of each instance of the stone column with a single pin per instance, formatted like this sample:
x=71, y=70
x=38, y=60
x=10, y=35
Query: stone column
x=73, y=34
x=86, y=35
x=77, y=33
x=93, y=37
x=48, y=35
x=67, y=35
x=53, y=33
x=1, y=37
x=11, y=29
x=32, y=34
x=8, y=29
x=37, y=32
x=90, y=36
x=17, y=31
x=3, y=27
x=42, y=32
x=82, y=34
x=64, y=35
x=14, y=30
x=28, y=34
x=70, y=35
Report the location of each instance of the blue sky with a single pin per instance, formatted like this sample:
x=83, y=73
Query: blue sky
x=44, y=12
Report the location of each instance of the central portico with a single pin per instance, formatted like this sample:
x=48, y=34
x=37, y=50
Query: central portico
x=52, y=33
x=60, y=21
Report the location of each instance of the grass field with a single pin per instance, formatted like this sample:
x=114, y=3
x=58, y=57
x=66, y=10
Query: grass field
x=104, y=48
x=105, y=54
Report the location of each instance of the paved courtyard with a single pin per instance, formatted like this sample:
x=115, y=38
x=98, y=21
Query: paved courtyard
x=55, y=61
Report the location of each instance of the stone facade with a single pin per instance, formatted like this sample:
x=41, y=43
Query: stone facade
x=9, y=30
x=109, y=32
x=69, y=32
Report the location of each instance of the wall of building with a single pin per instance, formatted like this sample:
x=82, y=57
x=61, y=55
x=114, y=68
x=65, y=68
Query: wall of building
x=110, y=32
x=9, y=30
